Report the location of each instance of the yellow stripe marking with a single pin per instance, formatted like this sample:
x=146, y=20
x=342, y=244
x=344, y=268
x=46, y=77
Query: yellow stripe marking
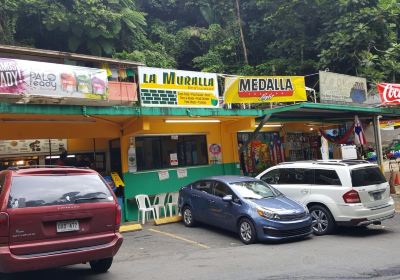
x=126, y=228
x=180, y=238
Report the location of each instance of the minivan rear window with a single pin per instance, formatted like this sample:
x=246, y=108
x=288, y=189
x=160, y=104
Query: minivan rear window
x=35, y=191
x=367, y=176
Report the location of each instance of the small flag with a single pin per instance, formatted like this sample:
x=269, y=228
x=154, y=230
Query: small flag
x=359, y=136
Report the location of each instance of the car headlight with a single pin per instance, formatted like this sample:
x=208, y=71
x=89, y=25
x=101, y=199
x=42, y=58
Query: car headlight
x=267, y=214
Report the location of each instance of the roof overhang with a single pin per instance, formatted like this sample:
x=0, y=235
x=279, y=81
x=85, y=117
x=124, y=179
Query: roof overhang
x=66, y=55
x=328, y=113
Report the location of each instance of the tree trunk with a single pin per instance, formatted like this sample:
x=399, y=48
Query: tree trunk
x=246, y=60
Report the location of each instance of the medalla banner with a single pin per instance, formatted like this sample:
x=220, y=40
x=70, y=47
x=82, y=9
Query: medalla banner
x=264, y=89
x=177, y=88
x=389, y=93
x=24, y=77
x=344, y=89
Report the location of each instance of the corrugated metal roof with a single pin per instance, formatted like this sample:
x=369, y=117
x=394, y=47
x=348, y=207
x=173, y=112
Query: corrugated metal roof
x=66, y=55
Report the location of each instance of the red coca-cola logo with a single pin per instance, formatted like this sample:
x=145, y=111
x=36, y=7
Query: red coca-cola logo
x=389, y=93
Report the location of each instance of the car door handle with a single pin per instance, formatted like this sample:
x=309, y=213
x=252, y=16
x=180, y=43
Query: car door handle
x=211, y=201
x=304, y=191
x=195, y=195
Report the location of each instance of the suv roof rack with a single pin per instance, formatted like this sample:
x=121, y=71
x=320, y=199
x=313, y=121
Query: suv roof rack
x=43, y=166
x=340, y=162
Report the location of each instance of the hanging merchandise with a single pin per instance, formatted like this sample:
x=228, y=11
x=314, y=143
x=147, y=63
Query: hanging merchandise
x=114, y=74
x=130, y=72
x=122, y=74
x=132, y=167
x=341, y=140
x=277, y=150
x=303, y=146
x=359, y=136
x=107, y=68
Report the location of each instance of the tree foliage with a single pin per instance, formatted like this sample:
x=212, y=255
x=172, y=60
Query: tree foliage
x=357, y=37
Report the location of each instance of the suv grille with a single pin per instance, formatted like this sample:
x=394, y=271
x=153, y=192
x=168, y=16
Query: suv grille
x=287, y=233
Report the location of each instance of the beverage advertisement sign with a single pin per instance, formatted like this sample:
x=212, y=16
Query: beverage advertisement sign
x=389, y=93
x=264, y=89
x=23, y=77
x=344, y=89
x=176, y=88
x=32, y=146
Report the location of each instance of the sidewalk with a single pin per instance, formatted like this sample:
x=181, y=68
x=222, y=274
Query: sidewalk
x=396, y=198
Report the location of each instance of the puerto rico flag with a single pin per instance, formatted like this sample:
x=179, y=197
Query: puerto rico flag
x=359, y=136
x=277, y=150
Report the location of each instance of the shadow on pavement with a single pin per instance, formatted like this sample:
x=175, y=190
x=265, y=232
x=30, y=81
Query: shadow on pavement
x=362, y=231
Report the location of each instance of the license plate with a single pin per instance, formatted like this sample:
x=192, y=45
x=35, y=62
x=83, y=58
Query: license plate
x=66, y=226
x=377, y=196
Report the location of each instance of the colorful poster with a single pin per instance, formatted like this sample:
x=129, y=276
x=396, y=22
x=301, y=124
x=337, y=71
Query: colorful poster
x=264, y=89
x=344, y=89
x=215, y=153
x=24, y=77
x=176, y=88
x=389, y=93
x=389, y=125
x=32, y=146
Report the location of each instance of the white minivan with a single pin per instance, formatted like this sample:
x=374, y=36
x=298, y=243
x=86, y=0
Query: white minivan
x=336, y=192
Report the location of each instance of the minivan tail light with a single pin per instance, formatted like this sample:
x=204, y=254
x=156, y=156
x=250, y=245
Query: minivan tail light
x=117, y=217
x=4, y=224
x=351, y=197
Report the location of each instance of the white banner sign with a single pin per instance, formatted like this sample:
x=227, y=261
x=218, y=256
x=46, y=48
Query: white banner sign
x=33, y=146
x=24, y=77
x=344, y=89
x=176, y=88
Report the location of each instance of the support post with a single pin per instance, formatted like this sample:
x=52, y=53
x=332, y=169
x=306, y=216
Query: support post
x=378, y=141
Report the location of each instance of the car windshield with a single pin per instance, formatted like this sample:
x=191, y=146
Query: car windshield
x=254, y=190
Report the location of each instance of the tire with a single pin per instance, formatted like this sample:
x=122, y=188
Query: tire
x=322, y=221
x=188, y=219
x=101, y=266
x=247, y=231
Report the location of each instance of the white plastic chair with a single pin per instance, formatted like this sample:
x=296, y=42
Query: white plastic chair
x=159, y=203
x=172, y=202
x=144, y=207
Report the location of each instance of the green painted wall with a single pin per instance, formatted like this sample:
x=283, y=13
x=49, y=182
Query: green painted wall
x=148, y=183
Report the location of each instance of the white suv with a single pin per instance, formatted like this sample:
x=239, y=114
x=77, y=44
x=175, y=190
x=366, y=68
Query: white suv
x=336, y=192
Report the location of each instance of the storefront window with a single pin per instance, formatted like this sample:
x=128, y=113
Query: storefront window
x=156, y=152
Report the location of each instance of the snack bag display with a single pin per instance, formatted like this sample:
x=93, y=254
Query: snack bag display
x=68, y=82
x=83, y=81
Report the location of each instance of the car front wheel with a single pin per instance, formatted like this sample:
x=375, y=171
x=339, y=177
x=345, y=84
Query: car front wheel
x=101, y=266
x=188, y=219
x=322, y=220
x=247, y=232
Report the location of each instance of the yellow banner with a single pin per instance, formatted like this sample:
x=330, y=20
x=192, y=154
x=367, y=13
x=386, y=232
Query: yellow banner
x=263, y=89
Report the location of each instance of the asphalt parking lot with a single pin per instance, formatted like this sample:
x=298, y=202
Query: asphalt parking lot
x=175, y=252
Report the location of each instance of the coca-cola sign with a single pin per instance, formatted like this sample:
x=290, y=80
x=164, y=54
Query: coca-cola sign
x=389, y=93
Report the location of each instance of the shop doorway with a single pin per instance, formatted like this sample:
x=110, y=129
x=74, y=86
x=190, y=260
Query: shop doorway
x=115, y=156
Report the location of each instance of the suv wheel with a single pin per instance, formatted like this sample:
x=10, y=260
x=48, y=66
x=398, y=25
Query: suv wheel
x=188, y=217
x=247, y=232
x=322, y=220
x=101, y=266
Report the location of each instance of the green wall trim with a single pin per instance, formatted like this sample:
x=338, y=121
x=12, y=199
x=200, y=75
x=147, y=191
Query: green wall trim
x=7, y=108
x=149, y=183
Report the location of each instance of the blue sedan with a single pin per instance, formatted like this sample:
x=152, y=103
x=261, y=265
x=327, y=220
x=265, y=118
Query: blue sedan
x=245, y=205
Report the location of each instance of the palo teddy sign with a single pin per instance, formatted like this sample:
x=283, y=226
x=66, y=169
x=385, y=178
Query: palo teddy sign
x=23, y=77
x=176, y=88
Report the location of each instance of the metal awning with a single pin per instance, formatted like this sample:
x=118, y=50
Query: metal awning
x=319, y=112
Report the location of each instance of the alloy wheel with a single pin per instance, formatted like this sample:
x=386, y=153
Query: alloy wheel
x=319, y=221
x=245, y=231
x=187, y=216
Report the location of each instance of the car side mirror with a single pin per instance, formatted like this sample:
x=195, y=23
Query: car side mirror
x=227, y=198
